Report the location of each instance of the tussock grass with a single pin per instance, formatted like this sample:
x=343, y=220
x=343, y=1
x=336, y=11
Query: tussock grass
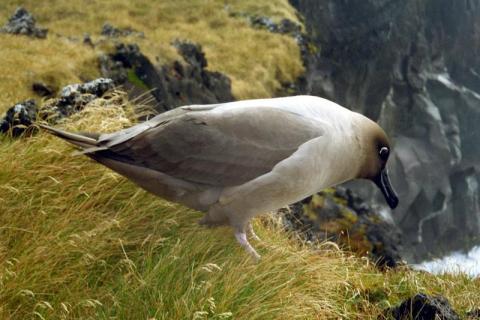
x=81, y=241
x=257, y=61
x=78, y=241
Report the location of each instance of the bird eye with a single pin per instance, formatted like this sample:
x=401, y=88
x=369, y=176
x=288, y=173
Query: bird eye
x=384, y=153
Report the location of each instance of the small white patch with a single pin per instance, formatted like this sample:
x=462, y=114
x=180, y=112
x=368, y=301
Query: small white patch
x=17, y=108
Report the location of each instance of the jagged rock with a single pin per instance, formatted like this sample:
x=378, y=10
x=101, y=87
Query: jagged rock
x=19, y=117
x=42, y=89
x=423, y=307
x=23, y=23
x=109, y=30
x=341, y=216
x=74, y=98
x=170, y=85
x=405, y=64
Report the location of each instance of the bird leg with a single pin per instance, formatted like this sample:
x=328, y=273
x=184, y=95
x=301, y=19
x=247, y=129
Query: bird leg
x=242, y=239
x=252, y=232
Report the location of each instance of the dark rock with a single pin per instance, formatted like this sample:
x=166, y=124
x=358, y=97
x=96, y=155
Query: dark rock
x=263, y=22
x=73, y=98
x=23, y=23
x=474, y=314
x=19, y=118
x=42, y=89
x=341, y=216
x=287, y=26
x=110, y=31
x=128, y=66
x=170, y=85
x=87, y=40
x=192, y=53
x=423, y=307
x=413, y=66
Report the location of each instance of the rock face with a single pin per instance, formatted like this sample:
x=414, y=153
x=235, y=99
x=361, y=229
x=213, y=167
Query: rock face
x=23, y=23
x=341, y=216
x=170, y=85
x=413, y=66
x=423, y=307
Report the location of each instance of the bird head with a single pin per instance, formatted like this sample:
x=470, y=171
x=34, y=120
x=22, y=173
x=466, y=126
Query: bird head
x=376, y=151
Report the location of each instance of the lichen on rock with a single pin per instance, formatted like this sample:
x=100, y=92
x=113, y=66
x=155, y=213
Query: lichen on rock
x=341, y=216
x=74, y=98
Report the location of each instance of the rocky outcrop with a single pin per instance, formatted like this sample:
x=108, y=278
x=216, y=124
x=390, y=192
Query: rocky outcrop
x=181, y=83
x=414, y=67
x=425, y=307
x=341, y=216
x=23, y=23
x=73, y=98
x=19, y=118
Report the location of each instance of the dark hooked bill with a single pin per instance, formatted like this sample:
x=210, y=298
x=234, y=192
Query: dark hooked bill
x=383, y=182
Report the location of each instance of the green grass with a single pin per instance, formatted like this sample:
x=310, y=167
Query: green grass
x=80, y=242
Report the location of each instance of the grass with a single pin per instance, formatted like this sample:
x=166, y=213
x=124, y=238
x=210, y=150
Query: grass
x=78, y=241
x=258, y=62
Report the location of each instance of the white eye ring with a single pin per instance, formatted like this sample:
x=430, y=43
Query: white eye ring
x=384, y=153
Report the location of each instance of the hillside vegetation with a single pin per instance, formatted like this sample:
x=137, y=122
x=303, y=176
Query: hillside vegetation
x=78, y=241
x=257, y=61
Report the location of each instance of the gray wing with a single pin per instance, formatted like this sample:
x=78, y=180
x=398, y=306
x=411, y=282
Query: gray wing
x=213, y=148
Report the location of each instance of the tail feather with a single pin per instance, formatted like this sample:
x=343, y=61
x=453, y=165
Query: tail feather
x=84, y=141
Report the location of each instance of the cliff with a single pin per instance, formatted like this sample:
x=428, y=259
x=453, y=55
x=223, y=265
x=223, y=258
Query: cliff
x=414, y=67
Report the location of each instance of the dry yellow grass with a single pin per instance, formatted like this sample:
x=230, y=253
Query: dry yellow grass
x=79, y=241
x=257, y=61
x=54, y=61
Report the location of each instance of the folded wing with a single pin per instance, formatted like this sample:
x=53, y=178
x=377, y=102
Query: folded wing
x=212, y=148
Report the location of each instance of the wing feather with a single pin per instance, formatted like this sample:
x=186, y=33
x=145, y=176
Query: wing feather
x=214, y=148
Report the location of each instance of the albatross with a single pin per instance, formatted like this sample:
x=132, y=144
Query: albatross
x=236, y=160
